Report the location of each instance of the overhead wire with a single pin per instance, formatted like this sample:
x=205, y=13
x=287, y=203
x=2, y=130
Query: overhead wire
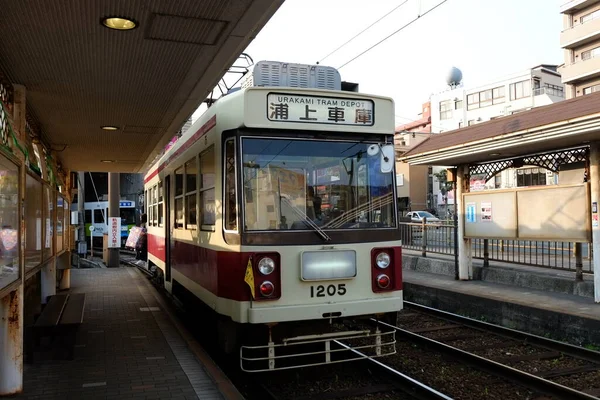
x=393, y=33
x=363, y=31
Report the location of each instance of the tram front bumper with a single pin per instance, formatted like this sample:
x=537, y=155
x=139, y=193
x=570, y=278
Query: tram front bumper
x=266, y=314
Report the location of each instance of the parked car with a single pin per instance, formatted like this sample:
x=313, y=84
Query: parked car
x=417, y=216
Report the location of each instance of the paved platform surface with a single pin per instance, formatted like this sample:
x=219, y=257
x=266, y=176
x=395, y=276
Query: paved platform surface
x=584, y=307
x=127, y=348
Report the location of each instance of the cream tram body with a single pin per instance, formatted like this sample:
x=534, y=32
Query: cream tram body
x=231, y=207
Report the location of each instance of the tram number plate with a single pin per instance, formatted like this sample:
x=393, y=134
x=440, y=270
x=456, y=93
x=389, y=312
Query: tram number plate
x=329, y=290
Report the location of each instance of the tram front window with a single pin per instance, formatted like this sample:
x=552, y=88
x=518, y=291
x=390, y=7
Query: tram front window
x=290, y=184
x=127, y=216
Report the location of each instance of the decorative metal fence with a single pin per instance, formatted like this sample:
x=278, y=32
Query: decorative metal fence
x=439, y=238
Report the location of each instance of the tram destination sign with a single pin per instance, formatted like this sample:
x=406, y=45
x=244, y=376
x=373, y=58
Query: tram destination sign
x=320, y=110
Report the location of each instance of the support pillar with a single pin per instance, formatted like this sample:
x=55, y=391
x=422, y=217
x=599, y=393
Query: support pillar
x=48, y=280
x=595, y=195
x=465, y=261
x=81, y=249
x=11, y=342
x=113, y=211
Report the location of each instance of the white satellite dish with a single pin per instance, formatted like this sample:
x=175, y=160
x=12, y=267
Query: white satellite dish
x=373, y=150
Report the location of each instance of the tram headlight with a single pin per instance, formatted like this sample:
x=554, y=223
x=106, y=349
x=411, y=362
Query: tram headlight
x=383, y=260
x=266, y=266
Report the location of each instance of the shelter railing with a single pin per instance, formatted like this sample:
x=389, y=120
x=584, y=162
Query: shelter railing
x=438, y=238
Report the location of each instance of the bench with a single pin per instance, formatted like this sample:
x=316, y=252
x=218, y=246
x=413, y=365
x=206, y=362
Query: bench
x=62, y=317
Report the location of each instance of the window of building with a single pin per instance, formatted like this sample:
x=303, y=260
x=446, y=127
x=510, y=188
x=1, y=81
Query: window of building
x=531, y=177
x=553, y=90
x=471, y=122
x=446, y=109
x=60, y=220
x=473, y=101
x=230, y=192
x=588, y=54
x=498, y=181
x=519, y=90
x=591, y=89
x=589, y=17
x=498, y=95
x=33, y=222
x=9, y=223
x=460, y=124
x=179, y=198
x=48, y=250
x=485, y=98
x=458, y=104
x=191, y=174
x=207, y=189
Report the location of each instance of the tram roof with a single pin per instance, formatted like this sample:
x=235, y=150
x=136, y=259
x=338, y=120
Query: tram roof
x=254, y=115
x=80, y=76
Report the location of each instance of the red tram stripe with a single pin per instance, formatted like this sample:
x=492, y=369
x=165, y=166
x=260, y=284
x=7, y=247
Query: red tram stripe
x=203, y=130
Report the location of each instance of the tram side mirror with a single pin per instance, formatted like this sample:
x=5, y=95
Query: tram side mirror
x=387, y=158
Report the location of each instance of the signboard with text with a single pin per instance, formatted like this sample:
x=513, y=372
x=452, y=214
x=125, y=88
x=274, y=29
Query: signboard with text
x=114, y=232
x=321, y=110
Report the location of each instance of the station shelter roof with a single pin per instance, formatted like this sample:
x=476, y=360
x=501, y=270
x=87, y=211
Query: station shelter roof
x=80, y=75
x=566, y=124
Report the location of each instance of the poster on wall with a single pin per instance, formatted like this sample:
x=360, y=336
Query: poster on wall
x=477, y=182
x=471, y=212
x=486, y=212
x=595, y=220
x=114, y=232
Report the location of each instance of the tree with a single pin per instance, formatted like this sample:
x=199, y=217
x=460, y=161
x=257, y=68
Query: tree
x=442, y=178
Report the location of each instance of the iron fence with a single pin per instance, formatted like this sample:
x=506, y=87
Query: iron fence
x=439, y=238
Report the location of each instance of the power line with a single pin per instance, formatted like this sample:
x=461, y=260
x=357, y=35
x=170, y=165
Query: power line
x=393, y=33
x=363, y=31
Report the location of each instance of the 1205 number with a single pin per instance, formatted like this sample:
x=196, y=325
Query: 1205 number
x=329, y=290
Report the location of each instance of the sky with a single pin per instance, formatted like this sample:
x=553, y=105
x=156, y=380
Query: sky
x=485, y=39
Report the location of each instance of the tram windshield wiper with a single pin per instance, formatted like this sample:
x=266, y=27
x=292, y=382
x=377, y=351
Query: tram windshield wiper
x=305, y=218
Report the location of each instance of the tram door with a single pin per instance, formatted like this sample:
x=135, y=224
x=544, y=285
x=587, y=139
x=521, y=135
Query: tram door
x=169, y=226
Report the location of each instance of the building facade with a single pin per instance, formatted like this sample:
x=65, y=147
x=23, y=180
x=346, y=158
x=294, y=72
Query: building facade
x=460, y=107
x=580, y=40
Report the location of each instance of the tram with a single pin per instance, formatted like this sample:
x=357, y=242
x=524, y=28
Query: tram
x=277, y=210
x=96, y=215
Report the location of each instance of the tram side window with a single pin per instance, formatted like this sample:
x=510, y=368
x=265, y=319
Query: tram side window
x=191, y=174
x=179, y=198
x=230, y=193
x=207, y=189
x=88, y=216
x=160, y=204
x=98, y=217
x=155, y=205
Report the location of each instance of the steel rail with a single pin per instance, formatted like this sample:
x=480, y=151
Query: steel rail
x=405, y=382
x=550, y=344
x=531, y=381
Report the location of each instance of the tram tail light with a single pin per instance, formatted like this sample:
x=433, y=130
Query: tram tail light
x=386, y=269
x=267, y=276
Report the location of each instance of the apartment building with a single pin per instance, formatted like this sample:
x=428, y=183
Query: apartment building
x=580, y=40
x=460, y=107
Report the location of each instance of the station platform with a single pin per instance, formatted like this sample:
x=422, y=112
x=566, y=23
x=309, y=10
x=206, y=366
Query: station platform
x=130, y=345
x=537, y=300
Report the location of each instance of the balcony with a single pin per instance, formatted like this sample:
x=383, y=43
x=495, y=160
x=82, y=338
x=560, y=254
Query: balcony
x=580, y=34
x=580, y=70
x=570, y=6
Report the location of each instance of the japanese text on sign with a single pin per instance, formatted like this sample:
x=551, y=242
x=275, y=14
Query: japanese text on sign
x=321, y=110
x=114, y=232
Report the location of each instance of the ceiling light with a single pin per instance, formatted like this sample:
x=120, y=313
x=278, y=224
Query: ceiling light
x=494, y=154
x=107, y=161
x=110, y=128
x=119, y=23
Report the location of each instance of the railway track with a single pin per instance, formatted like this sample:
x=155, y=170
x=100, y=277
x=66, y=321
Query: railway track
x=363, y=379
x=543, y=365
